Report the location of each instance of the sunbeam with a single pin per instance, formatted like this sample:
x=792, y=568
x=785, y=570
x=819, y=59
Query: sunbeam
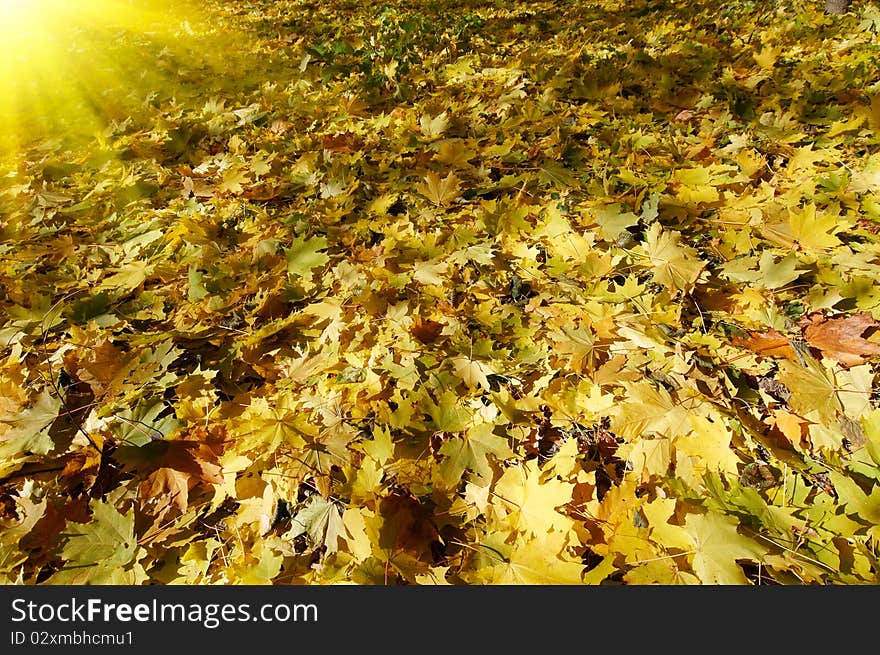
x=67, y=68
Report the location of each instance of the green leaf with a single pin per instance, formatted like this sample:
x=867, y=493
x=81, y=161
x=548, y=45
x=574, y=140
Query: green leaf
x=304, y=255
x=448, y=415
x=29, y=432
x=557, y=175
x=470, y=452
x=107, y=540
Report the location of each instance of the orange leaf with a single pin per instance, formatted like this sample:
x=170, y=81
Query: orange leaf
x=768, y=344
x=841, y=338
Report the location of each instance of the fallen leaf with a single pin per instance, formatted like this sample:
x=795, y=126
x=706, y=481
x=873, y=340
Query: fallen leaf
x=769, y=343
x=440, y=191
x=841, y=338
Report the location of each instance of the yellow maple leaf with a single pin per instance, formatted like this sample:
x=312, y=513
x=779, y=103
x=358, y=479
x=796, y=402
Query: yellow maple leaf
x=675, y=266
x=648, y=410
x=433, y=126
x=471, y=371
x=538, y=562
x=814, y=232
x=471, y=452
x=233, y=179
x=695, y=185
x=708, y=445
x=658, y=512
x=717, y=546
x=649, y=457
x=767, y=57
x=429, y=272
x=578, y=342
x=529, y=505
x=813, y=389
x=440, y=191
x=455, y=153
x=380, y=204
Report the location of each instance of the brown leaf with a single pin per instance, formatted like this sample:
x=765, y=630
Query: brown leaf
x=406, y=525
x=166, y=487
x=78, y=402
x=768, y=344
x=194, y=453
x=97, y=366
x=684, y=115
x=344, y=142
x=80, y=470
x=426, y=330
x=841, y=338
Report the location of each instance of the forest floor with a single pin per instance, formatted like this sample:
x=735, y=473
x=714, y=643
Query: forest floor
x=456, y=292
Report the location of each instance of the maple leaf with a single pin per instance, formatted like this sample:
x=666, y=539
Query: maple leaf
x=471, y=452
x=530, y=562
x=380, y=205
x=402, y=532
x=129, y=276
x=775, y=275
x=454, y=153
x=562, y=236
x=29, y=432
x=304, y=255
x=381, y=446
x=529, y=504
x=648, y=457
x=232, y=180
x=649, y=409
x=440, y=191
x=555, y=174
x=769, y=343
x=658, y=513
x=812, y=389
x=841, y=338
x=194, y=453
x=674, y=266
x=447, y=414
x=471, y=371
x=695, y=185
x=166, y=487
x=426, y=330
x=717, y=546
x=432, y=127
x=811, y=231
x=430, y=272
x=865, y=506
x=321, y=519
x=659, y=572
x=436, y=575
x=99, y=366
x=106, y=541
x=578, y=342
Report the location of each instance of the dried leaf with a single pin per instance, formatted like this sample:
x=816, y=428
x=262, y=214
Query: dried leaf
x=841, y=338
x=769, y=343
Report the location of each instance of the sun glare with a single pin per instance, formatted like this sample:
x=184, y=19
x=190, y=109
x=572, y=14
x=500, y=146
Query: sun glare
x=71, y=66
x=10, y=8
